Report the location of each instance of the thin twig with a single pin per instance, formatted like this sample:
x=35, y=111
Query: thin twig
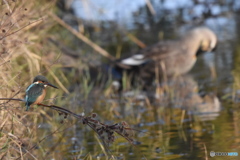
x=15, y=99
x=5, y=62
x=60, y=109
x=30, y=23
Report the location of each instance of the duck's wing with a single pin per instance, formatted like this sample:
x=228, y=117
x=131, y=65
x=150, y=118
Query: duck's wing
x=155, y=52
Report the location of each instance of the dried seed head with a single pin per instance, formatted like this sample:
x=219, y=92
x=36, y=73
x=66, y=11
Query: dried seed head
x=94, y=115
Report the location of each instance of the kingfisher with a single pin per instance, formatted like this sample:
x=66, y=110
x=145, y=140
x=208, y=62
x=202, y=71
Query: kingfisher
x=36, y=92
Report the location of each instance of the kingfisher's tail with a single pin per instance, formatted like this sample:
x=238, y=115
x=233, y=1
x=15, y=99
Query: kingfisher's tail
x=27, y=106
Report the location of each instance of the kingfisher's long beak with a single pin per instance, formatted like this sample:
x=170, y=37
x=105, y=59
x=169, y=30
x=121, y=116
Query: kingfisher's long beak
x=49, y=84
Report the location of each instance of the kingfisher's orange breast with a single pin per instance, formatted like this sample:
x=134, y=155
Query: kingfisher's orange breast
x=40, y=98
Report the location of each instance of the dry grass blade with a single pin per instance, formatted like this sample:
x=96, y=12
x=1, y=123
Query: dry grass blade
x=57, y=80
x=82, y=37
x=153, y=12
x=136, y=40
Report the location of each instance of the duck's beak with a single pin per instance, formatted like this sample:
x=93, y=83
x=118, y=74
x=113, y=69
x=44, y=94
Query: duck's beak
x=49, y=84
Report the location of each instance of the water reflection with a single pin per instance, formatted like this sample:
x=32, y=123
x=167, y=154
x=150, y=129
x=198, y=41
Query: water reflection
x=186, y=96
x=180, y=93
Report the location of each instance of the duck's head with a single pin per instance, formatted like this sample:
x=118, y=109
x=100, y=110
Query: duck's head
x=206, y=38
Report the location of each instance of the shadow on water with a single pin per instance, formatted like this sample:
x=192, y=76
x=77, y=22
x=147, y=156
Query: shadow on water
x=184, y=118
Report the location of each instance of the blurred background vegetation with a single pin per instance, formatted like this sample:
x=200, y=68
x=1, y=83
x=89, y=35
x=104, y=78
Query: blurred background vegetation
x=66, y=39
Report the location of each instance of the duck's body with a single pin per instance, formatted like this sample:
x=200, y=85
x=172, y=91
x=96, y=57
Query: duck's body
x=36, y=92
x=170, y=58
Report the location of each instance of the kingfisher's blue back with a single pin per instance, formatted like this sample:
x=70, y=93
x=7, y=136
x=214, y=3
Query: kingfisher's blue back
x=32, y=93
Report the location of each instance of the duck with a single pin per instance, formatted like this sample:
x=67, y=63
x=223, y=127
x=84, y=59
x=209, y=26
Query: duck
x=169, y=58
